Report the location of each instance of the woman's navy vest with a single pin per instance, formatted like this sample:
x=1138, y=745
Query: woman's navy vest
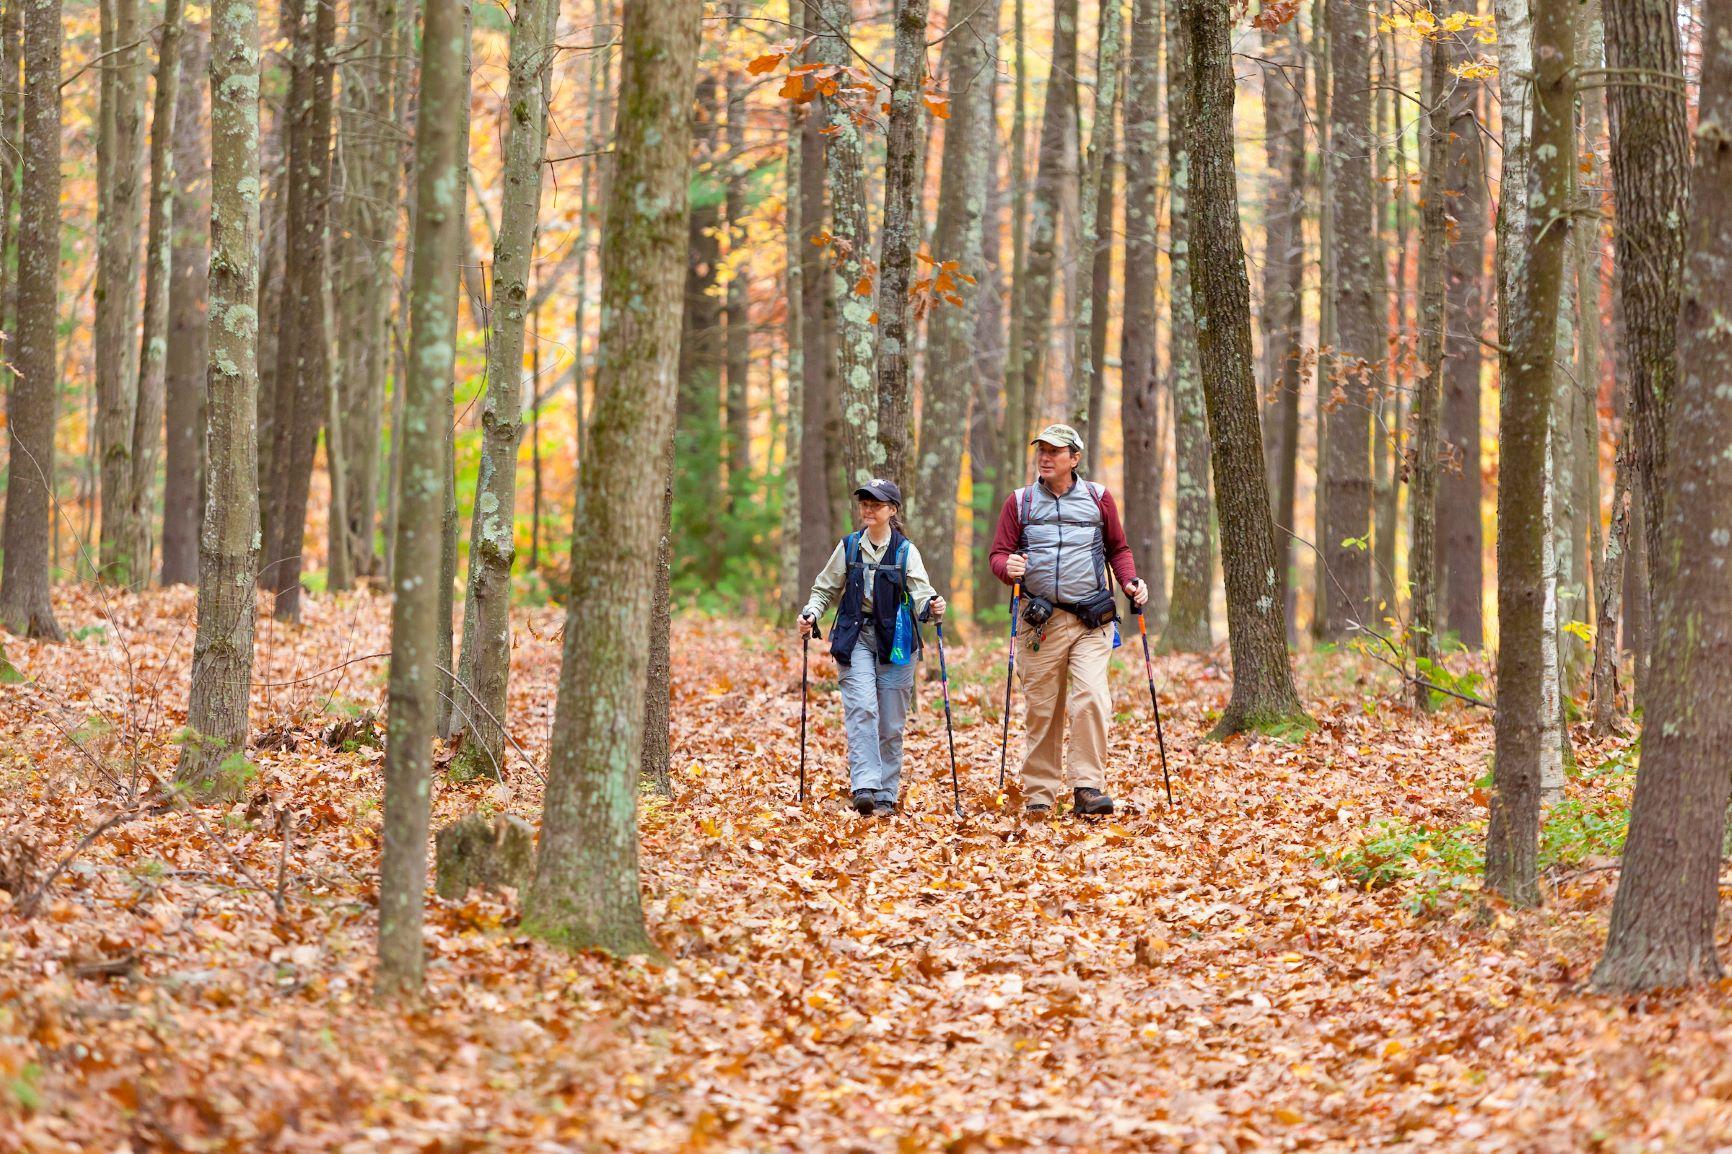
x=889, y=580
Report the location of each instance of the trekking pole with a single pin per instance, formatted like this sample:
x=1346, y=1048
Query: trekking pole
x=944, y=681
x=801, y=797
x=1149, y=668
x=1009, y=676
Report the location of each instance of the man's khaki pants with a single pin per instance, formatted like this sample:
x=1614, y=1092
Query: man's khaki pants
x=1065, y=679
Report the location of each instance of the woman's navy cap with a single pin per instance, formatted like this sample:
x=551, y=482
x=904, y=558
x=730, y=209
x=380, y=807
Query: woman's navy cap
x=878, y=489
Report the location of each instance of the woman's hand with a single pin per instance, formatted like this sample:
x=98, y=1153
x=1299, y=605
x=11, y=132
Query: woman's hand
x=806, y=624
x=935, y=608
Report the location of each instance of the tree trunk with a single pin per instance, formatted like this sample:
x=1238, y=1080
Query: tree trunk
x=850, y=250
x=817, y=527
x=1428, y=374
x=1650, y=157
x=585, y=893
x=1321, y=592
x=1081, y=402
x=793, y=459
x=1386, y=403
x=301, y=342
x=147, y=427
x=485, y=667
x=228, y=552
x=988, y=415
x=415, y=624
x=24, y=578
x=1460, y=528
x=1140, y=397
x=1355, y=374
x=1263, y=696
x=182, y=495
x=1524, y=418
x=1013, y=453
x=1284, y=286
x=120, y=205
x=1052, y=176
x=964, y=197
x=739, y=297
x=657, y=750
x=698, y=447
x=1662, y=932
x=1188, y=626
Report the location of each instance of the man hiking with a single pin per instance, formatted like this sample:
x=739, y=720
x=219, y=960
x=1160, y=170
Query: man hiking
x=881, y=583
x=1058, y=537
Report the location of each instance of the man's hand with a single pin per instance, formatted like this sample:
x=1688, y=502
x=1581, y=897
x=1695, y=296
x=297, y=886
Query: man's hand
x=935, y=608
x=806, y=624
x=1138, y=592
x=1015, y=566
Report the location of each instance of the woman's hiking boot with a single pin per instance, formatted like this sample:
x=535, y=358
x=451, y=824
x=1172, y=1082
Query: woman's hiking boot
x=1092, y=801
x=863, y=802
x=883, y=809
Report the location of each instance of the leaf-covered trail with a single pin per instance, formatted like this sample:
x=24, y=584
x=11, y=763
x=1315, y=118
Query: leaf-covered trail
x=1193, y=979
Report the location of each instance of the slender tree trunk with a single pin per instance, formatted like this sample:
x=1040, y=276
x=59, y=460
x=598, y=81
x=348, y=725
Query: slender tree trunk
x=903, y=177
x=339, y=566
x=1524, y=418
x=1321, y=591
x=1650, y=156
x=1433, y=335
x=1140, y=399
x=25, y=607
x=1284, y=286
x=415, y=608
x=1460, y=528
x=657, y=747
x=120, y=201
x=793, y=458
x=1663, y=919
x=1386, y=415
x=699, y=448
x=1053, y=175
x=11, y=141
x=964, y=197
x=228, y=554
x=183, y=482
x=817, y=529
x=1263, y=695
x=1609, y=598
x=1188, y=626
x=739, y=296
x=1081, y=401
x=850, y=249
x=585, y=893
x=988, y=415
x=486, y=654
x=147, y=427
x=1013, y=462
x=1355, y=376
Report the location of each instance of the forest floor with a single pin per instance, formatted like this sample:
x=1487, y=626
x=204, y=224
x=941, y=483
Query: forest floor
x=1213, y=977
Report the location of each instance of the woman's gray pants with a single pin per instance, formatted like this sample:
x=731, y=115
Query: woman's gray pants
x=875, y=701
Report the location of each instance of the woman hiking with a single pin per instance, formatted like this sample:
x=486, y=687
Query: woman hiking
x=883, y=588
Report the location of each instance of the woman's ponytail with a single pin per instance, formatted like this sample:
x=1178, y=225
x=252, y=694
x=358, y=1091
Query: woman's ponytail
x=896, y=523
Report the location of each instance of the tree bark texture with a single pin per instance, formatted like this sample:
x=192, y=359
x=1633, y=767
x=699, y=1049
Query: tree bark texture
x=793, y=458
x=1263, y=695
x=1188, y=613
x=415, y=625
x=585, y=893
x=739, y=294
x=1524, y=420
x=1082, y=401
x=188, y=349
x=1663, y=918
x=485, y=666
x=228, y=551
x=1013, y=452
x=903, y=178
x=657, y=747
x=702, y=350
x=817, y=527
x=1140, y=396
x=1460, y=529
x=24, y=579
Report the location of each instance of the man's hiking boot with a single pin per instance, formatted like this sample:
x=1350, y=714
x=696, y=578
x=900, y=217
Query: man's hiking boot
x=883, y=809
x=863, y=802
x=1092, y=802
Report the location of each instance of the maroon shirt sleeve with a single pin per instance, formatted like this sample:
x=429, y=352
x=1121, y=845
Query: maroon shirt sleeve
x=1113, y=536
x=1006, y=538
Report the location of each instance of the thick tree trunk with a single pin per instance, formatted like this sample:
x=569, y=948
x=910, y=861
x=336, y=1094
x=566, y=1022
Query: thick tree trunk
x=1263, y=695
x=1053, y=176
x=228, y=552
x=1140, y=399
x=585, y=893
x=1082, y=401
x=1663, y=918
x=1188, y=627
x=1650, y=156
x=24, y=601
x=1354, y=377
x=964, y=197
x=903, y=177
x=415, y=625
x=147, y=426
x=793, y=458
x=1284, y=287
x=120, y=203
x=1524, y=418
x=1433, y=333
x=183, y=480
x=1013, y=459
x=1460, y=530
x=479, y=705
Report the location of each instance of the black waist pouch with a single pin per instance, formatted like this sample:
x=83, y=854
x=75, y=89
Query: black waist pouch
x=1095, y=610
